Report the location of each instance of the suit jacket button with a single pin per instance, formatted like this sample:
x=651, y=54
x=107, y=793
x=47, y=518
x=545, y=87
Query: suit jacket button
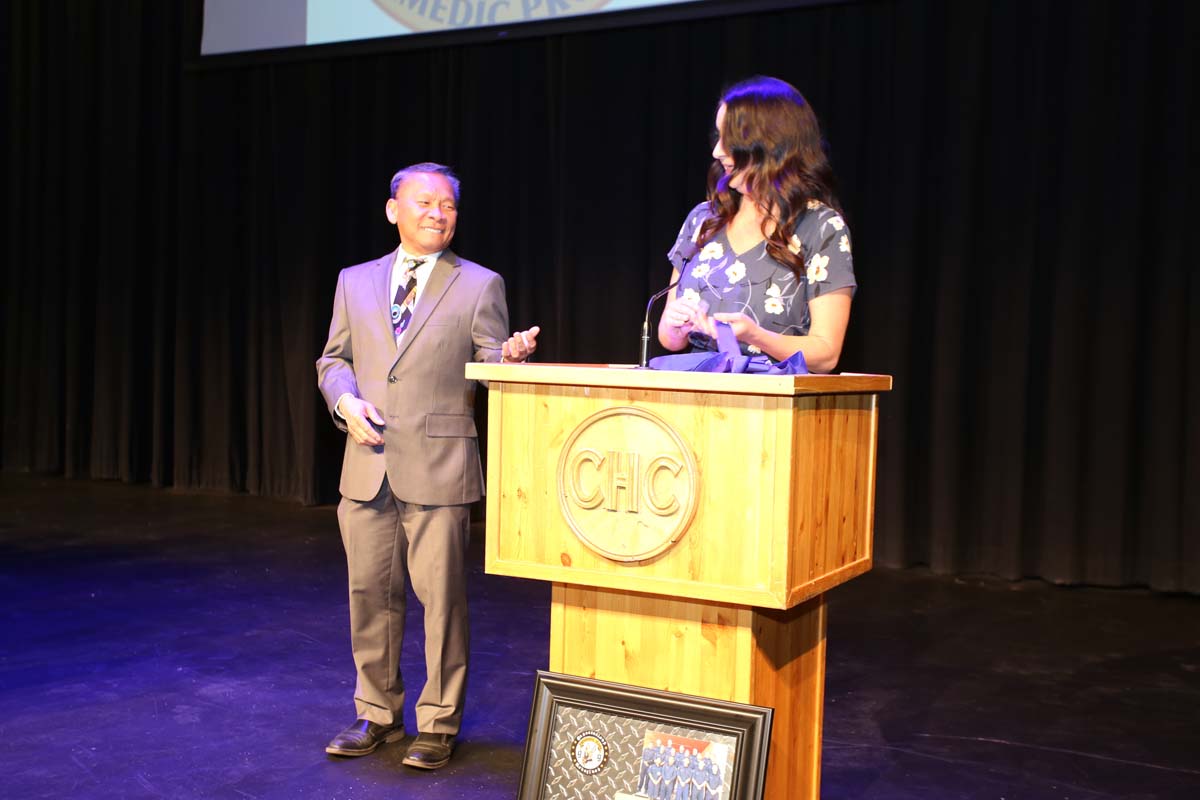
x=391, y=378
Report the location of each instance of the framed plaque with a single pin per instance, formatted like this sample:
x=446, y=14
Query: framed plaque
x=610, y=741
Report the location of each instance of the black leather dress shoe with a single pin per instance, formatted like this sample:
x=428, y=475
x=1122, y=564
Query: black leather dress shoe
x=363, y=737
x=430, y=750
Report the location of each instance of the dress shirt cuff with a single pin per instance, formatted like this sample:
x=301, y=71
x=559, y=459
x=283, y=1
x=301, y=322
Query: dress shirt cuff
x=337, y=406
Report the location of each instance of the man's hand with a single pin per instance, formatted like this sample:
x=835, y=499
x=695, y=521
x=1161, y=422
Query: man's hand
x=520, y=345
x=359, y=414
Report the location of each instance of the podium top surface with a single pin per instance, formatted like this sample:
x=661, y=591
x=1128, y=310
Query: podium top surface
x=630, y=376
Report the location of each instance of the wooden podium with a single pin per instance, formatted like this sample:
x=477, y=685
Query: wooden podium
x=690, y=524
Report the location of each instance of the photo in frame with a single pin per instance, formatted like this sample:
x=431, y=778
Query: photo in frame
x=596, y=740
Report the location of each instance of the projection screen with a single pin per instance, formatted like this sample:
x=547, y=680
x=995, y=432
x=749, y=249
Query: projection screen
x=241, y=26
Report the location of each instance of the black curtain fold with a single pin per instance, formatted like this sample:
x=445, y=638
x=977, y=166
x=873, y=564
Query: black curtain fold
x=1019, y=177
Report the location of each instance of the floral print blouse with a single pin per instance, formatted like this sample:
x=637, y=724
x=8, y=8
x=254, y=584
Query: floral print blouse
x=756, y=284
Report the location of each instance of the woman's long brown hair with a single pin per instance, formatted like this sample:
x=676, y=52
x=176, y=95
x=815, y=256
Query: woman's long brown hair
x=774, y=138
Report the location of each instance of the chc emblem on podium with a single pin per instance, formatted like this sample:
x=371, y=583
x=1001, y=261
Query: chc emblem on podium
x=627, y=484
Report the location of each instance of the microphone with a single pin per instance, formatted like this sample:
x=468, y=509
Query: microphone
x=688, y=252
x=646, y=321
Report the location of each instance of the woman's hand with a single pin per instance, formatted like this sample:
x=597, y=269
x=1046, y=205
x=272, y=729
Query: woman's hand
x=744, y=328
x=680, y=317
x=822, y=345
x=683, y=315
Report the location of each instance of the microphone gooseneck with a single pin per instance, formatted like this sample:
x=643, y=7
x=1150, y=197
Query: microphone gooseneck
x=688, y=252
x=646, y=320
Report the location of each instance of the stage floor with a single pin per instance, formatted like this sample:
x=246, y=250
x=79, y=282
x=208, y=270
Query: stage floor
x=167, y=645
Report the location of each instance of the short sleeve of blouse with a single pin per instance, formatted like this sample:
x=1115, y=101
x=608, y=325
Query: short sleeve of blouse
x=825, y=239
x=685, y=243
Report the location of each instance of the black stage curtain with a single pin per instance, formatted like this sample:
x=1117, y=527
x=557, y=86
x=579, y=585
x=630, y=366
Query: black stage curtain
x=1019, y=176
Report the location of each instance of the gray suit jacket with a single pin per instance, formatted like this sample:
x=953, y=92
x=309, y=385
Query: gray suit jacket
x=430, y=452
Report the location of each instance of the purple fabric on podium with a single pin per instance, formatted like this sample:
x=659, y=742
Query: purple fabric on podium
x=729, y=358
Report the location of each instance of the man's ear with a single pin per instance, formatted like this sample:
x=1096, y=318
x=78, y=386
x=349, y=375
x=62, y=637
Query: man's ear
x=390, y=209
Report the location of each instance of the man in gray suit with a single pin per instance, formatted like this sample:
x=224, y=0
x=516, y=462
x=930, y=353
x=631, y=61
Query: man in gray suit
x=392, y=375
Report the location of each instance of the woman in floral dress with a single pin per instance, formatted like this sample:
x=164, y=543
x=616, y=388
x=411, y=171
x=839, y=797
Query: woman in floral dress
x=769, y=251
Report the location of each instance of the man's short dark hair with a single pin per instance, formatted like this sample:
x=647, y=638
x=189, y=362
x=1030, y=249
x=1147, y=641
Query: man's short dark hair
x=430, y=168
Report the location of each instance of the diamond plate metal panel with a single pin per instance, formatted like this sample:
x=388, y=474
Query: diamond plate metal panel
x=626, y=738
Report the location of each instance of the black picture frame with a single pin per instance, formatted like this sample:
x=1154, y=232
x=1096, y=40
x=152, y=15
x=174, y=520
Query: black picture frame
x=581, y=728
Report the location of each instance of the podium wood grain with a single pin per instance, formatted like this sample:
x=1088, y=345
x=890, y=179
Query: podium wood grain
x=765, y=657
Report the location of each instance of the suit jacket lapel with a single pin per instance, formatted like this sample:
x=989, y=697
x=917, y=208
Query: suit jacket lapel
x=382, y=279
x=444, y=273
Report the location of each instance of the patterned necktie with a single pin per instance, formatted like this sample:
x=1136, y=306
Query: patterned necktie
x=406, y=296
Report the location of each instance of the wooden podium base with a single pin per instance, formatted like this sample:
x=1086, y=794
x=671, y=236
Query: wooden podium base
x=727, y=652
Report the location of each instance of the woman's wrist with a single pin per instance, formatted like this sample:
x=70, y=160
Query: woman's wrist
x=671, y=337
x=756, y=336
